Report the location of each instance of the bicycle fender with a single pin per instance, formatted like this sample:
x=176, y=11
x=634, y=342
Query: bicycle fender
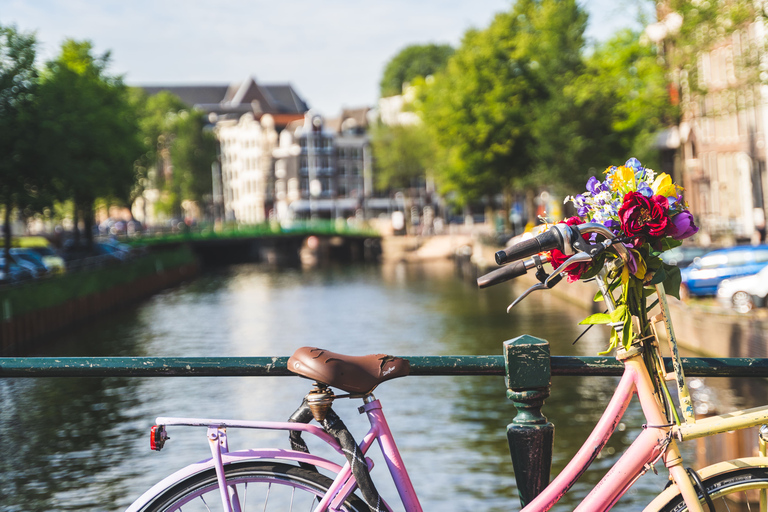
x=708, y=472
x=268, y=454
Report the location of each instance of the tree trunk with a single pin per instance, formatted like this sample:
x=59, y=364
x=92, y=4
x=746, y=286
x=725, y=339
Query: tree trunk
x=506, y=203
x=76, y=228
x=530, y=205
x=88, y=224
x=7, y=239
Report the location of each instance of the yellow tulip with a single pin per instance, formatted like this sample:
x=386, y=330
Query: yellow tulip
x=623, y=179
x=663, y=185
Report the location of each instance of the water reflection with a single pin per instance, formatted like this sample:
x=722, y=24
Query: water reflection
x=83, y=442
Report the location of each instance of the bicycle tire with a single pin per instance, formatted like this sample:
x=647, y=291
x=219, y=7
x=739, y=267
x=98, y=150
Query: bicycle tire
x=732, y=491
x=272, y=481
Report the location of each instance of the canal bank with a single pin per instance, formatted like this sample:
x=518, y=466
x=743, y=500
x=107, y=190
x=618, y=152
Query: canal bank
x=38, y=309
x=703, y=328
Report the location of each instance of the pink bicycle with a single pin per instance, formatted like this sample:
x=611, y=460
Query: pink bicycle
x=294, y=479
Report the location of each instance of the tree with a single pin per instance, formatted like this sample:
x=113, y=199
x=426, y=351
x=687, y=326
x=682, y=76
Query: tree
x=412, y=62
x=479, y=108
x=89, y=130
x=180, y=150
x=19, y=182
x=403, y=155
x=192, y=153
x=625, y=79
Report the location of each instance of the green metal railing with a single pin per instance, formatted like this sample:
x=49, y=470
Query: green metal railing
x=277, y=366
x=526, y=365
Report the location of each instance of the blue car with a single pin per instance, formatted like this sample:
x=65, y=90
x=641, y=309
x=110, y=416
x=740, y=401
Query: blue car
x=702, y=276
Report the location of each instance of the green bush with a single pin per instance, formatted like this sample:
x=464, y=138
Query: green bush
x=55, y=290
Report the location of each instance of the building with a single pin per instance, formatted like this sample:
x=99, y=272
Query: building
x=233, y=100
x=247, y=118
x=324, y=168
x=721, y=139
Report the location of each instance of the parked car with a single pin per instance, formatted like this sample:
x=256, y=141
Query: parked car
x=744, y=294
x=684, y=255
x=52, y=260
x=704, y=275
x=112, y=250
x=15, y=272
x=31, y=260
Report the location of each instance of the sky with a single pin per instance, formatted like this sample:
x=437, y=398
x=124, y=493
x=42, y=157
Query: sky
x=333, y=52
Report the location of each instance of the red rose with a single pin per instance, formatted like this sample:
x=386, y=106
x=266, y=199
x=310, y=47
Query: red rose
x=642, y=217
x=557, y=258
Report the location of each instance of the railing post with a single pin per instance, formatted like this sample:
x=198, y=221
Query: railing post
x=530, y=435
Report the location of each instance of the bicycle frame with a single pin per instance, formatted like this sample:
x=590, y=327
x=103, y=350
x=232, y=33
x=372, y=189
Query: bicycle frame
x=343, y=483
x=653, y=444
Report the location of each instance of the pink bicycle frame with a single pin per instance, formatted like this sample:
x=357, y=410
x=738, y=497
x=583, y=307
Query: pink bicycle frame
x=649, y=447
x=343, y=484
x=653, y=444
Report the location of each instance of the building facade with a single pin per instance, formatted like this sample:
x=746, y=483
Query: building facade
x=323, y=169
x=247, y=118
x=721, y=139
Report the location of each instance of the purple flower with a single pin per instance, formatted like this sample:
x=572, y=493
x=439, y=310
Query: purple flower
x=632, y=263
x=593, y=185
x=682, y=226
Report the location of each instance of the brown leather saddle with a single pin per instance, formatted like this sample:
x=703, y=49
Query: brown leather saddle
x=353, y=374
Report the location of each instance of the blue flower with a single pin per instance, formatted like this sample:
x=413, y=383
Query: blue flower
x=634, y=164
x=645, y=190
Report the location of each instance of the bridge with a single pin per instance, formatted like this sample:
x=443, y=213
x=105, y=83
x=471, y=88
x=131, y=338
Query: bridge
x=313, y=241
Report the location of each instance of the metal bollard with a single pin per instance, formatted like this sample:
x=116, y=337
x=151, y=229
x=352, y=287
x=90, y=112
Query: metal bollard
x=530, y=435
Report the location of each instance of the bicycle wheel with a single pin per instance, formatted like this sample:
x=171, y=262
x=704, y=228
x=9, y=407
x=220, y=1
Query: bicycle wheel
x=735, y=491
x=259, y=486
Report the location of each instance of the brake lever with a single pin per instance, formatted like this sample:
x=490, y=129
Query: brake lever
x=537, y=286
x=579, y=257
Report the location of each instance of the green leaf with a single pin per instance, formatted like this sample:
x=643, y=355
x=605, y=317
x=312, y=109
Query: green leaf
x=597, y=319
x=658, y=277
x=620, y=314
x=626, y=333
x=614, y=344
x=653, y=262
x=594, y=268
x=672, y=281
x=670, y=243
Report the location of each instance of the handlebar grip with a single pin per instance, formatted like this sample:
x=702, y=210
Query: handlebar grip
x=550, y=239
x=502, y=274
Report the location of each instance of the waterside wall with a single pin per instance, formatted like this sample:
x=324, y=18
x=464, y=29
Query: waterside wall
x=705, y=329
x=34, y=311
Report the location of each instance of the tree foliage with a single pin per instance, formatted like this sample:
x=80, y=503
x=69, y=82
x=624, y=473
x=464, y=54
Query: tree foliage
x=19, y=179
x=403, y=155
x=522, y=104
x=484, y=106
x=412, y=62
x=179, y=150
x=88, y=129
x=625, y=79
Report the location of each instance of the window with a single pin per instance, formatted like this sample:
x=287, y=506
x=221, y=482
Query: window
x=738, y=259
x=761, y=256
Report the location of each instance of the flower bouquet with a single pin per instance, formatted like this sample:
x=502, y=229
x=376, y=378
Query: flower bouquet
x=646, y=212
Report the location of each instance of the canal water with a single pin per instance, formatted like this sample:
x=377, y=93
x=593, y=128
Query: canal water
x=72, y=444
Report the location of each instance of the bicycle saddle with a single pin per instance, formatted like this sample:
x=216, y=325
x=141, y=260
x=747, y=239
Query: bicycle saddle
x=353, y=374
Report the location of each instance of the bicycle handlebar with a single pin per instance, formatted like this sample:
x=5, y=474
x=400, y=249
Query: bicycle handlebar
x=556, y=237
x=502, y=274
x=560, y=236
